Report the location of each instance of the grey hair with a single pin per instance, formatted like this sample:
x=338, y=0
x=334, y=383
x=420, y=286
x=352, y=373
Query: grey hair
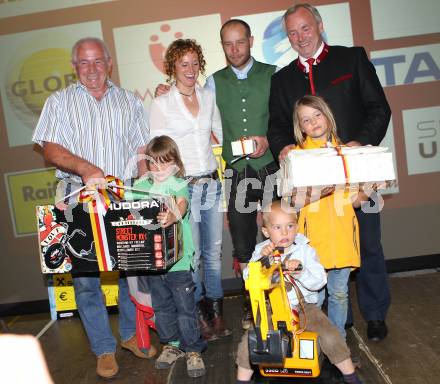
x=85, y=40
x=306, y=6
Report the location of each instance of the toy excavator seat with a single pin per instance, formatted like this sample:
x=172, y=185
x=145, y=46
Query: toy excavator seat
x=277, y=344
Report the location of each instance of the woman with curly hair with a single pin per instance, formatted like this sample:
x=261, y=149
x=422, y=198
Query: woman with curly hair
x=189, y=115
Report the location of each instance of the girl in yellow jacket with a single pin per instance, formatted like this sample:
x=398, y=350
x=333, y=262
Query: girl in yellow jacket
x=330, y=223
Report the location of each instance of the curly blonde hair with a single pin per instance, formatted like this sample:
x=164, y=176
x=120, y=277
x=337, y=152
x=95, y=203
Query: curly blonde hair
x=176, y=50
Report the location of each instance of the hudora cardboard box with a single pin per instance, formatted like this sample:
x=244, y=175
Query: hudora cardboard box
x=124, y=235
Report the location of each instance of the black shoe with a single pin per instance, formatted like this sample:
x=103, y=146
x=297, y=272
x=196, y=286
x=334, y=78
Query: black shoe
x=377, y=330
x=348, y=325
x=206, y=330
x=329, y=373
x=218, y=324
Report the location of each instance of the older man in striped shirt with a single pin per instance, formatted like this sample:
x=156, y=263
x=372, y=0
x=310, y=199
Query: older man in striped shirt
x=88, y=130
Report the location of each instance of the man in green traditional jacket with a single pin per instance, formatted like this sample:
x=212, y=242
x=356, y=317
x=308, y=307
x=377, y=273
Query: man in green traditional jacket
x=242, y=95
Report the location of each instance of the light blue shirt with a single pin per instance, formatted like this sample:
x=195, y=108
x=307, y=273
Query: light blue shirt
x=240, y=73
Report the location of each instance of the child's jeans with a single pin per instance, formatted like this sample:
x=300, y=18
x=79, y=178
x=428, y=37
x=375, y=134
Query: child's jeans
x=337, y=288
x=172, y=295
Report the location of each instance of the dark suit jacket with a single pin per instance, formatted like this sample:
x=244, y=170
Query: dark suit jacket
x=347, y=80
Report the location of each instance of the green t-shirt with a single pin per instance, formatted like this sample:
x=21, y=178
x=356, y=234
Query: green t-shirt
x=176, y=187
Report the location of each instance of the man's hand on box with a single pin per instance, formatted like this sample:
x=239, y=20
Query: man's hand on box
x=284, y=152
x=261, y=144
x=327, y=190
x=371, y=187
x=92, y=176
x=161, y=89
x=366, y=190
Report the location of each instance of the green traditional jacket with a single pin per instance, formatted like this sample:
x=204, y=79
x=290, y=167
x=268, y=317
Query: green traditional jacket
x=244, y=109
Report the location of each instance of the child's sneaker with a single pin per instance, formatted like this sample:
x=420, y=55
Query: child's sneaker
x=194, y=364
x=168, y=357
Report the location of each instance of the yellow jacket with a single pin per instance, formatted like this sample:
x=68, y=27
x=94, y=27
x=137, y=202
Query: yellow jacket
x=335, y=238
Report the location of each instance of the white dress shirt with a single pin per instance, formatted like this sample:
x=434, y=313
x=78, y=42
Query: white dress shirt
x=315, y=56
x=169, y=116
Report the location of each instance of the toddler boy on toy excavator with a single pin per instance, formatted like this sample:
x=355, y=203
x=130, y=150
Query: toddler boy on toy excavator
x=305, y=271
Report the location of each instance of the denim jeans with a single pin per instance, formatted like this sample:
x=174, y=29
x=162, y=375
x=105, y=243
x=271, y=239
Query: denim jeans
x=337, y=288
x=372, y=286
x=242, y=206
x=207, y=229
x=90, y=302
x=172, y=295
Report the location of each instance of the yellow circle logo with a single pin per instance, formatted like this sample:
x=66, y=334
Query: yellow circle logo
x=38, y=76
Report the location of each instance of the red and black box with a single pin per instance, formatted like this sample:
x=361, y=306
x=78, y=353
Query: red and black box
x=124, y=235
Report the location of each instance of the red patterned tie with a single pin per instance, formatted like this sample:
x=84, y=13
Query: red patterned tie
x=312, y=85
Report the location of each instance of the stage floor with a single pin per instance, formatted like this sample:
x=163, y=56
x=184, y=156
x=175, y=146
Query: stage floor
x=409, y=355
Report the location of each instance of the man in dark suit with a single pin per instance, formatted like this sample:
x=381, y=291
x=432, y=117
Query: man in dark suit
x=347, y=80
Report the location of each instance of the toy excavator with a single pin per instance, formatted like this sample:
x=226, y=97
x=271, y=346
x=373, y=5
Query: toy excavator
x=277, y=344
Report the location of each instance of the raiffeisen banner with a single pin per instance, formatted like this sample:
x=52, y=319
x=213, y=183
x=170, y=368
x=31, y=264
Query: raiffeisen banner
x=26, y=190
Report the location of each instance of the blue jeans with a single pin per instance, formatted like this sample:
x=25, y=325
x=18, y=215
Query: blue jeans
x=372, y=287
x=337, y=288
x=94, y=316
x=207, y=230
x=172, y=295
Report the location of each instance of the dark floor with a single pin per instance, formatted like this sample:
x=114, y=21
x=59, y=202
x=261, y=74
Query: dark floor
x=409, y=355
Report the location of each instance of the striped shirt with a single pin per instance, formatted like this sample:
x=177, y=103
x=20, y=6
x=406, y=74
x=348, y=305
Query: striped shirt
x=106, y=133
